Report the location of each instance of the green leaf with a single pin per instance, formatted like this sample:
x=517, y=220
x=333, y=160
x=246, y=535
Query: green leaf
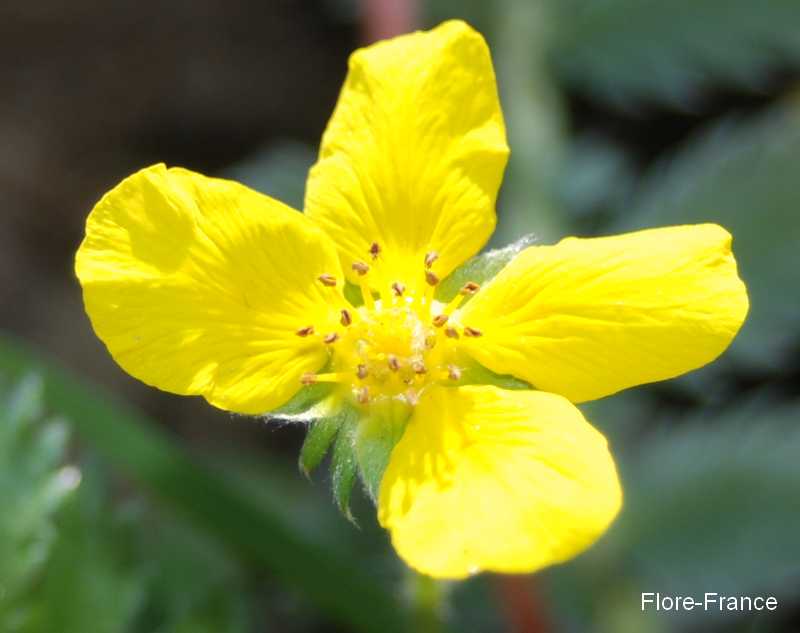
x=34, y=485
x=318, y=440
x=742, y=175
x=344, y=467
x=255, y=533
x=90, y=582
x=622, y=50
x=480, y=269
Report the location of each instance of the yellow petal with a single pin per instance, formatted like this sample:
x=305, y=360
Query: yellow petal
x=496, y=480
x=413, y=156
x=197, y=286
x=588, y=317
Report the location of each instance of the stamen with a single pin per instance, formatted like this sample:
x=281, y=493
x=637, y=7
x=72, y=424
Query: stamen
x=327, y=280
x=419, y=367
x=308, y=378
x=362, y=269
x=430, y=258
x=451, y=332
x=467, y=290
x=330, y=338
x=440, y=319
x=305, y=331
x=398, y=289
x=453, y=372
x=393, y=363
x=472, y=332
x=346, y=319
x=361, y=372
x=412, y=397
x=430, y=341
x=431, y=278
x=374, y=250
x=362, y=395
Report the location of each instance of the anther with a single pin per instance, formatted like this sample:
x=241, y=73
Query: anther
x=330, y=338
x=308, y=378
x=360, y=267
x=451, y=332
x=398, y=289
x=361, y=372
x=419, y=367
x=393, y=363
x=472, y=332
x=346, y=319
x=431, y=278
x=469, y=288
x=430, y=258
x=362, y=395
x=327, y=280
x=453, y=372
x=440, y=319
x=374, y=250
x=305, y=331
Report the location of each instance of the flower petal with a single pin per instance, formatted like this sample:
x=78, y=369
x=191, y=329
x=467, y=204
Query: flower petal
x=198, y=285
x=488, y=479
x=588, y=317
x=413, y=156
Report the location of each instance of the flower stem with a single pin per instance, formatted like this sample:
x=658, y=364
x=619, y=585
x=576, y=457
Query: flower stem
x=426, y=597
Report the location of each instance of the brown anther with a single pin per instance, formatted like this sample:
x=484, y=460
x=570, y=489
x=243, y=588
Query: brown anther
x=398, y=289
x=472, y=332
x=469, y=288
x=453, y=372
x=374, y=250
x=430, y=258
x=393, y=363
x=430, y=341
x=431, y=278
x=308, y=378
x=331, y=338
x=361, y=268
x=440, y=319
x=327, y=280
x=451, y=332
x=419, y=367
x=362, y=395
x=346, y=319
x=361, y=372
x=305, y=331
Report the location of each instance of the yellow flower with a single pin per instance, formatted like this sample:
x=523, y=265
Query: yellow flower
x=201, y=286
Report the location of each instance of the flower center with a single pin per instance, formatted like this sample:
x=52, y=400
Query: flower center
x=395, y=346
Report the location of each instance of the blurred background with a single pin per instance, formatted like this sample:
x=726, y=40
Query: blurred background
x=124, y=509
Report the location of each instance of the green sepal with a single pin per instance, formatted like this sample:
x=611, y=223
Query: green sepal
x=304, y=402
x=344, y=467
x=480, y=268
x=473, y=373
x=319, y=438
x=378, y=433
x=353, y=294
